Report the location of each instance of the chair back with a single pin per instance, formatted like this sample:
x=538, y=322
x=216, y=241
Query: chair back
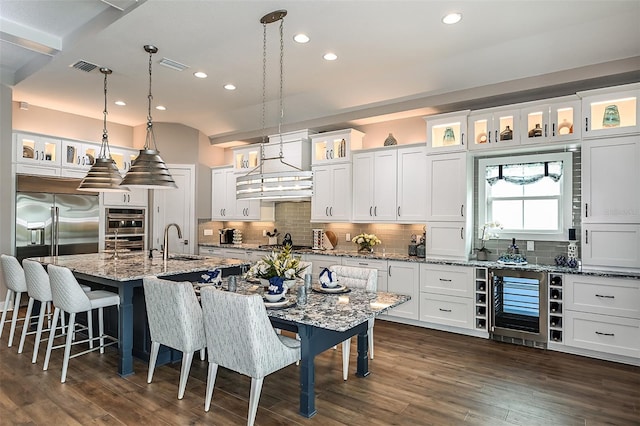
x=354, y=277
x=66, y=291
x=38, y=285
x=174, y=314
x=240, y=336
x=13, y=274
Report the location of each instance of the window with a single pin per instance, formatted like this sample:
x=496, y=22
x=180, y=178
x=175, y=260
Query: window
x=529, y=195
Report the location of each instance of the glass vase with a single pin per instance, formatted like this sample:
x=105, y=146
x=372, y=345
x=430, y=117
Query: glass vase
x=365, y=248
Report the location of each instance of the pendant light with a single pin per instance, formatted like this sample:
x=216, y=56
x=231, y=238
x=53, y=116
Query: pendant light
x=293, y=184
x=148, y=170
x=103, y=175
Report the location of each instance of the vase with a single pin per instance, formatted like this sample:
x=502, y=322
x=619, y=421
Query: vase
x=611, y=117
x=482, y=255
x=390, y=140
x=449, y=137
x=365, y=248
x=536, y=132
x=506, y=134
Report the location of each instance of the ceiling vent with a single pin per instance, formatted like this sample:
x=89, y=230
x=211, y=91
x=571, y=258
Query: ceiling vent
x=84, y=66
x=170, y=63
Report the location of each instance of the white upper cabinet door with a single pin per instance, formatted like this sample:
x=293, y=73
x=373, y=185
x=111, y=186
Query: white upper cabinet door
x=385, y=188
x=363, y=186
x=39, y=150
x=447, y=187
x=447, y=132
x=494, y=128
x=335, y=146
x=222, y=185
x=550, y=122
x=611, y=111
x=79, y=155
x=123, y=157
x=247, y=158
x=331, y=201
x=136, y=197
x=412, y=183
x=610, y=177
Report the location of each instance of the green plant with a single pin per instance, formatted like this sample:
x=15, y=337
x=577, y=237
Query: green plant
x=277, y=264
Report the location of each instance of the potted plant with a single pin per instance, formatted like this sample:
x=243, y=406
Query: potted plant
x=487, y=232
x=278, y=270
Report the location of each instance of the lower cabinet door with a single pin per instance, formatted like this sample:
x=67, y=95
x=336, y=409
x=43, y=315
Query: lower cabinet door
x=447, y=240
x=614, y=335
x=446, y=310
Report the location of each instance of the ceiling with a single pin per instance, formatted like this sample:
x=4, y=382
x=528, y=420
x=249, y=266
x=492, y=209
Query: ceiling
x=393, y=56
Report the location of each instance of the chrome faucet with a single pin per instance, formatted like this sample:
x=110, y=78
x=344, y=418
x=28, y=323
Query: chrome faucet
x=165, y=251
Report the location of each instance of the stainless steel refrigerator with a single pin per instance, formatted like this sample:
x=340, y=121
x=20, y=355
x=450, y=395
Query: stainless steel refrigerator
x=50, y=223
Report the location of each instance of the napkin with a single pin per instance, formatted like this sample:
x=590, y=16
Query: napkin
x=328, y=278
x=276, y=286
x=212, y=277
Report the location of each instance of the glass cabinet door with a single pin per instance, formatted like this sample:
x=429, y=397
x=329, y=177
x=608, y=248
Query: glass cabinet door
x=37, y=150
x=447, y=132
x=246, y=159
x=607, y=114
x=564, y=118
x=493, y=129
x=335, y=146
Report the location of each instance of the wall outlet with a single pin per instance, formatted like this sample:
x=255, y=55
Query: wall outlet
x=347, y=237
x=264, y=232
x=208, y=232
x=531, y=246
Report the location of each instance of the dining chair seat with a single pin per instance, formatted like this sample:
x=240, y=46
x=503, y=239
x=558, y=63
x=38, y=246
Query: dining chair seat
x=16, y=285
x=354, y=277
x=69, y=297
x=175, y=320
x=240, y=337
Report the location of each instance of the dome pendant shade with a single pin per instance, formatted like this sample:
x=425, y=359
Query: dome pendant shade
x=103, y=177
x=149, y=171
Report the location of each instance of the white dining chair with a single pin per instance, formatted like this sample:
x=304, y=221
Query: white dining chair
x=353, y=277
x=240, y=337
x=175, y=320
x=68, y=296
x=16, y=285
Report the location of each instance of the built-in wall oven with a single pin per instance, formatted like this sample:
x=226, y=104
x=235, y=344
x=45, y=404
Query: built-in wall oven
x=518, y=311
x=124, y=229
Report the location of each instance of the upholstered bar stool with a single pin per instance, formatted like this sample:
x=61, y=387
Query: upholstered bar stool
x=16, y=285
x=69, y=297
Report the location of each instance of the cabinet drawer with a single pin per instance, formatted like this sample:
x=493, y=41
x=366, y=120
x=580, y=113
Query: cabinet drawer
x=449, y=280
x=620, y=336
x=446, y=310
x=600, y=295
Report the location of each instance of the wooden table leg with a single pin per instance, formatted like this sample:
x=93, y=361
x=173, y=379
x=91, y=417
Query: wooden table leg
x=125, y=327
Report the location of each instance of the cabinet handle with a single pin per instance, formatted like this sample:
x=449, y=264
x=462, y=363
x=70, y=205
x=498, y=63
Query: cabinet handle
x=553, y=129
x=370, y=210
x=389, y=270
x=462, y=210
x=326, y=211
x=462, y=233
x=375, y=211
x=124, y=198
x=586, y=236
x=331, y=211
x=604, y=334
x=462, y=138
x=398, y=211
x=586, y=124
x=78, y=160
x=445, y=280
x=604, y=296
x=489, y=136
x=496, y=136
x=363, y=263
x=128, y=198
x=331, y=153
x=444, y=310
x=586, y=209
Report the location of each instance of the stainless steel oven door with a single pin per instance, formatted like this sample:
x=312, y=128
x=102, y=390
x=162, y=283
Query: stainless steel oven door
x=125, y=221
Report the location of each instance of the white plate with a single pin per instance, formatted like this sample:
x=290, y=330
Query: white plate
x=337, y=289
x=277, y=304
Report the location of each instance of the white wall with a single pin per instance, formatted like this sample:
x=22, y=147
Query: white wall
x=7, y=189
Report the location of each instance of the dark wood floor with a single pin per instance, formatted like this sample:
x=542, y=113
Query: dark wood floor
x=418, y=377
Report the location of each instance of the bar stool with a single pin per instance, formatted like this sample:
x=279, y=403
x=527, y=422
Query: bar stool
x=69, y=297
x=39, y=289
x=16, y=284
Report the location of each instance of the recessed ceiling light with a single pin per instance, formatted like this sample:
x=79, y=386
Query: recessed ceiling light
x=301, y=38
x=120, y=103
x=161, y=108
x=230, y=86
x=200, y=74
x=452, y=18
x=330, y=56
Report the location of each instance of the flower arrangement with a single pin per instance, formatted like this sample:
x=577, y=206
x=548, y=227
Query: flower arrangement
x=365, y=242
x=277, y=264
x=488, y=232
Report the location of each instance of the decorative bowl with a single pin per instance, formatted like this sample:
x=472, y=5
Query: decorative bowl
x=273, y=297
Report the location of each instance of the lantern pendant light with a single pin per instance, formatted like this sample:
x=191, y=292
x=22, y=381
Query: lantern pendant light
x=103, y=175
x=148, y=170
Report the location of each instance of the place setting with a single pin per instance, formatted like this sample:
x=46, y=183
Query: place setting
x=276, y=295
x=329, y=284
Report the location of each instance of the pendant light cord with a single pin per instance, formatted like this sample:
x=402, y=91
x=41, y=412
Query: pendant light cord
x=104, y=147
x=151, y=137
x=281, y=106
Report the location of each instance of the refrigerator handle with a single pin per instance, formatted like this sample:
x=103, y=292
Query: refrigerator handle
x=55, y=220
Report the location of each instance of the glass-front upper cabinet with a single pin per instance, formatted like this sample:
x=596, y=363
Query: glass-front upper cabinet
x=551, y=121
x=447, y=132
x=246, y=159
x=123, y=157
x=79, y=155
x=611, y=111
x=493, y=128
x=37, y=149
x=335, y=146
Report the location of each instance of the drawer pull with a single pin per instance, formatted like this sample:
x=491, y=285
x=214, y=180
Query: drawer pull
x=604, y=334
x=444, y=310
x=445, y=280
x=605, y=296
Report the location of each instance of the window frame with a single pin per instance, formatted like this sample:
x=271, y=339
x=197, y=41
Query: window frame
x=565, y=216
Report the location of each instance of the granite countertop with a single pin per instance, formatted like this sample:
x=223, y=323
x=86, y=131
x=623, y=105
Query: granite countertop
x=472, y=263
x=338, y=312
x=134, y=266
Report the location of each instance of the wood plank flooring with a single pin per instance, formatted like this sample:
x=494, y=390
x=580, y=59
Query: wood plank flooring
x=418, y=377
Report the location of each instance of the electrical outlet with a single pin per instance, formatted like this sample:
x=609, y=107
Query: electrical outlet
x=264, y=232
x=347, y=237
x=208, y=232
x=531, y=246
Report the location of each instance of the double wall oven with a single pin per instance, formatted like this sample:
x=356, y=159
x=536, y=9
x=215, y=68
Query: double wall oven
x=124, y=229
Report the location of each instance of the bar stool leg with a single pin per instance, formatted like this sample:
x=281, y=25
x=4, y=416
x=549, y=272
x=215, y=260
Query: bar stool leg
x=36, y=343
x=90, y=325
x=27, y=324
x=155, y=347
x=67, y=349
x=14, y=318
x=101, y=328
x=52, y=333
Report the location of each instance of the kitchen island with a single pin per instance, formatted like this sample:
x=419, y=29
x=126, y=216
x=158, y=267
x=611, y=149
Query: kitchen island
x=124, y=274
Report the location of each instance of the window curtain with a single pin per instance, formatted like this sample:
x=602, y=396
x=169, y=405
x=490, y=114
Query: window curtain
x=524, y=174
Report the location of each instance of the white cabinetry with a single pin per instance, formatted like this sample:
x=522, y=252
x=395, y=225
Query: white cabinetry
x=319, y=262
x=247, y=158
x=555, y=120
x=374, y=186
x=79, y=155
x=296, y=151
x=136, y=197
x=37, y=154
x=379, y=265
x=412, y=179
x=447, y=132
x=602, y=314
x=403, y=278
x=611, y=111
x=448, y=205
x=123, y=157
x=335, y=146
x=331, y=200
x=447, y=295
x=224, y=205
x=494, y=128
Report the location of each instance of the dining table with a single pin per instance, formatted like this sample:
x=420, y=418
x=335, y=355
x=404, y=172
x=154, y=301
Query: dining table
x=322, y=319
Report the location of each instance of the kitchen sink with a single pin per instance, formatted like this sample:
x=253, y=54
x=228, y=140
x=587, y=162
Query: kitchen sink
x=185, y=258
